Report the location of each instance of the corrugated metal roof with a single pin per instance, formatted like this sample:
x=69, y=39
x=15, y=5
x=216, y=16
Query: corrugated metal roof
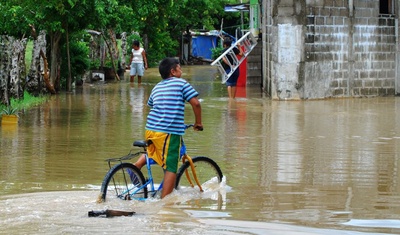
x=237, y=7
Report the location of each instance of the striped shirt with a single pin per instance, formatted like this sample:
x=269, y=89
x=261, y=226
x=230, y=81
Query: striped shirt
x=167, y=102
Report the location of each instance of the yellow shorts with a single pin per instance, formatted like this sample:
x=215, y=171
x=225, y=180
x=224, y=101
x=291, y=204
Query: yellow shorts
x=165, y=149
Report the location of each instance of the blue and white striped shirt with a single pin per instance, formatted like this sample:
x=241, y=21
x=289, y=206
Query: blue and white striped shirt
x=167, y=102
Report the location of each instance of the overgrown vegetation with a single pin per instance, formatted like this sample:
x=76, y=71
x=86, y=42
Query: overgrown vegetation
x=27, y=102
x=28, y=54
x=216, y=52
x=159, y=24
x=9, y=111
x=80, y=62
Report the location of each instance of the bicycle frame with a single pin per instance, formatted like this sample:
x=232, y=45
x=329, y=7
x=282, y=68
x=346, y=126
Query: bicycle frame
x=149, y=182
x=187, y=158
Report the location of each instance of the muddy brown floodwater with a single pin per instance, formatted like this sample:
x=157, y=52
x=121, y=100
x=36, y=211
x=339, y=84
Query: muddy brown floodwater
x=290, y=167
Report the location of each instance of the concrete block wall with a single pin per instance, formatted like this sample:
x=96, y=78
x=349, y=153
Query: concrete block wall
x=327, y=48
x=254, y=65
x=374, y=43
x=345, y=51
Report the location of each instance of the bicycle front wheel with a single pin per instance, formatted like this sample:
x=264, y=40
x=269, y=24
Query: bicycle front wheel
x=124, y=181
x=207, y=171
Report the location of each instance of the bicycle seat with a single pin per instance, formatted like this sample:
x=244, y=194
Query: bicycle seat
x=140, y=143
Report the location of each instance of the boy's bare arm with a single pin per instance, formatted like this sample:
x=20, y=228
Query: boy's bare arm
x=197, y=113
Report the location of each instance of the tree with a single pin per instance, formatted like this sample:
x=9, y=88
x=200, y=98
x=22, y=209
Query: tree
x=159, y=22
x=11, y=68
x=59, y=18
x=164, y=21
x=12, y=52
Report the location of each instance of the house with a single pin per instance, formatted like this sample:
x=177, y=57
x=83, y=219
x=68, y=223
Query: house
x=327, y=48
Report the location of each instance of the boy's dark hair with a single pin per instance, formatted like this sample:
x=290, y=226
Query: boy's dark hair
x=166, y=65
x=227, y=42
x=136, y=43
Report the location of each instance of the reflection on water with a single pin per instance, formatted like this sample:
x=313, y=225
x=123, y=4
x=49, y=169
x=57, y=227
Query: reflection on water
x=329, y=164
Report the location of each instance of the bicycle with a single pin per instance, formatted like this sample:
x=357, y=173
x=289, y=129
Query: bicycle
x=127, y=182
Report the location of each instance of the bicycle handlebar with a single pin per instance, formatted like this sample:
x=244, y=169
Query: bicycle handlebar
x=187, y=126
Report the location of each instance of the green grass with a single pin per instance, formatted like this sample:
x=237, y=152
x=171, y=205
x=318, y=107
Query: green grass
x=28, y=54
x=26, y=103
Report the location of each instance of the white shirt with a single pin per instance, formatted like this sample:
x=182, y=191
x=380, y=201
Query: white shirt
x=137, y=55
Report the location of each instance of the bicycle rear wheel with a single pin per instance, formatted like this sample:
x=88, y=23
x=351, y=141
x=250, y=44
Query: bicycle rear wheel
x=207, y=171
x=124, y=181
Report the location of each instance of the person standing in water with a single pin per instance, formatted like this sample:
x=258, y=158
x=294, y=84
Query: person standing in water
x=138, y=62
x=231, y=82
